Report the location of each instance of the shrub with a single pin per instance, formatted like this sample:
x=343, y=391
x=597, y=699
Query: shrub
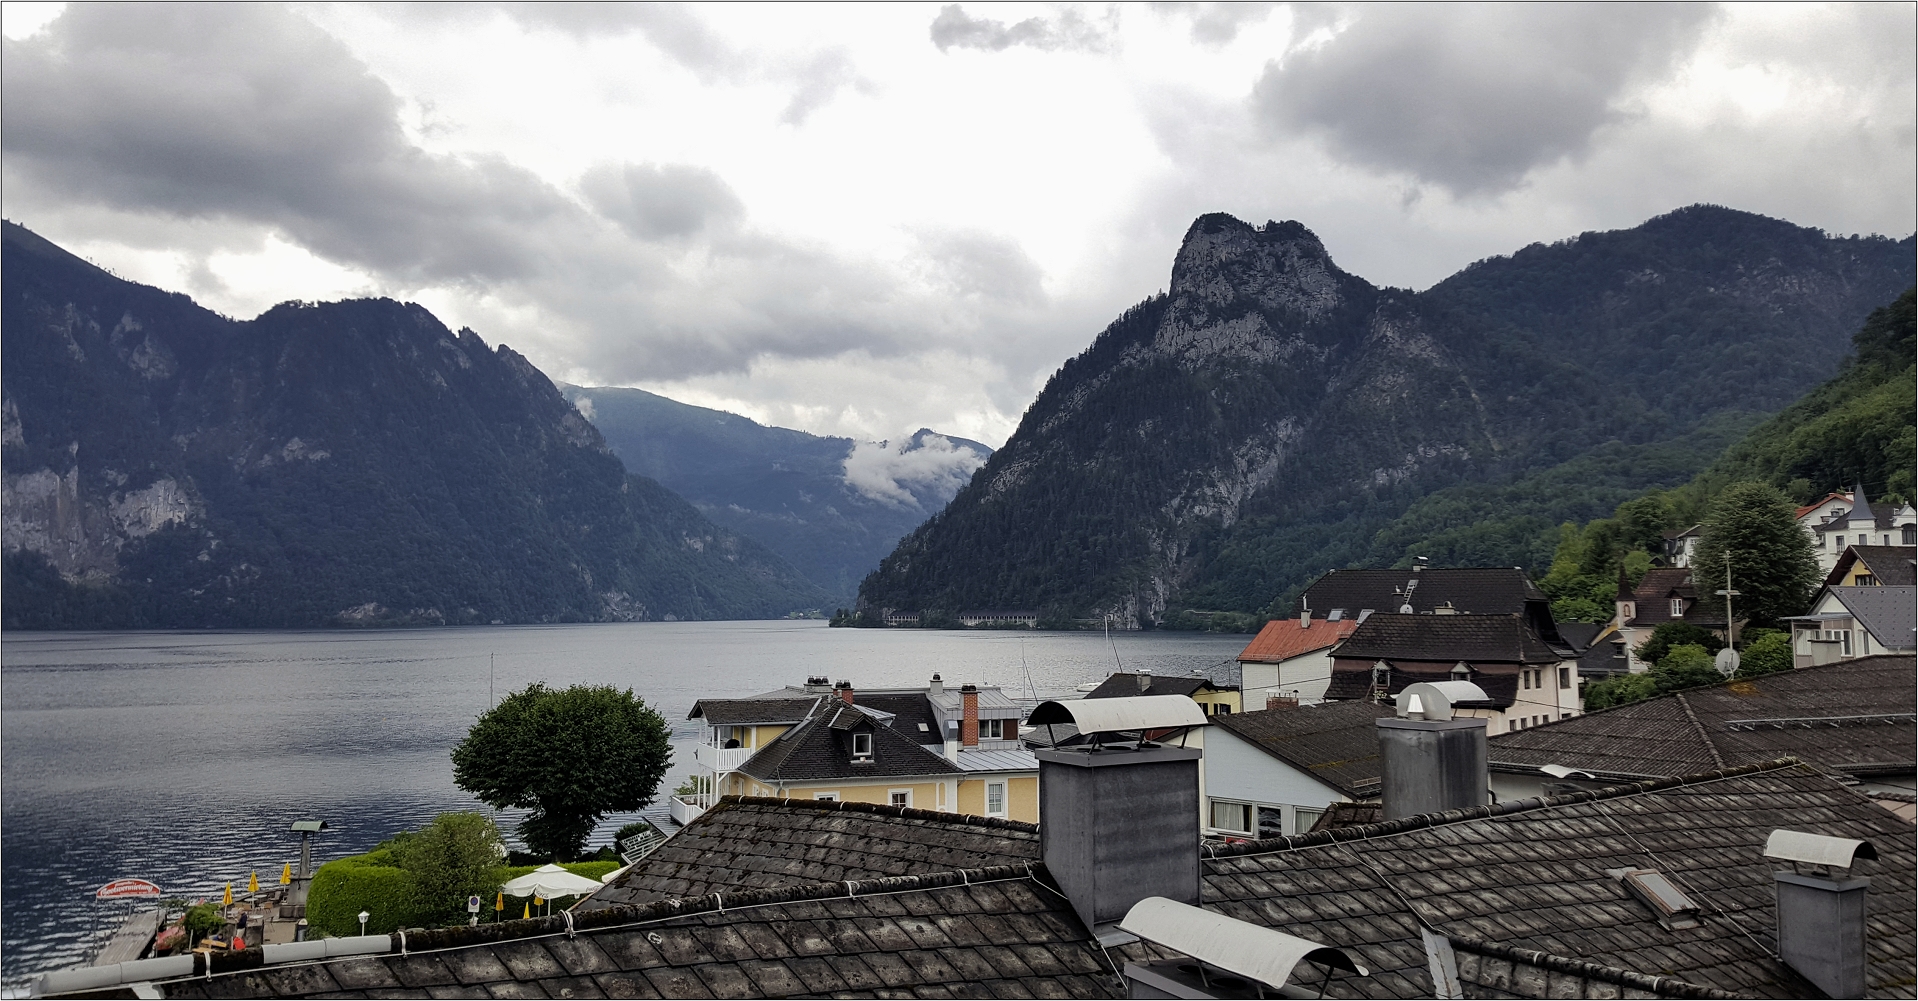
x=202, y=920
x=1768, y=654
x=1619, y=690
x=1687, y=665
x=1671, y=634
x=371, y=882
x=456, y=856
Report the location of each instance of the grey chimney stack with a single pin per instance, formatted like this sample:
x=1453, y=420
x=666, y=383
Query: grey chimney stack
x=1144, y=678
x=1433, y=761
x=938, y=687
x=1821, y=918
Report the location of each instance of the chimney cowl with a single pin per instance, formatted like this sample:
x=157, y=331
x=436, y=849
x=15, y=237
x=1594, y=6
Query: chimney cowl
x=937, y=686
x=1144, y=678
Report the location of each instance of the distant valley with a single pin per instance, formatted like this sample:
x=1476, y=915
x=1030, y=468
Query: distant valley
x=832, y=507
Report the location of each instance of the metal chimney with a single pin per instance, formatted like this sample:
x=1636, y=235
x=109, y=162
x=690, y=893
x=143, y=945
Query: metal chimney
x=1433, y=761
x=1821, y=918
x=1118, y=817
x=1144, y=678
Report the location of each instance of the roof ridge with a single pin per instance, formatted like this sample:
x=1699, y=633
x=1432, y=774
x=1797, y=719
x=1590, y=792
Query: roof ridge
x=884, y=809
x=1424, y=820
x=1703, y=734
x=1660, y=986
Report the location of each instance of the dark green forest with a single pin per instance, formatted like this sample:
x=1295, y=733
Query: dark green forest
x=1179, y=464
x=347, y=463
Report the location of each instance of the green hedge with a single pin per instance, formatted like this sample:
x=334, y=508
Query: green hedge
x=371, y=882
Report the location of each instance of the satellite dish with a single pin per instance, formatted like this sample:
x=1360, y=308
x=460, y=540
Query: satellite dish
x=1726, y=662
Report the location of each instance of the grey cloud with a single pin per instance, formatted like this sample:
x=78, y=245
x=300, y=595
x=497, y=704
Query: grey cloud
x=1217, y=24
x=255, y=114
x=654, y=201
x=956, y=29
x=1472, y=98
x=984, y=265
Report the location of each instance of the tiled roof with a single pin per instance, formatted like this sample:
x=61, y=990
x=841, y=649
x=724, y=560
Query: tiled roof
x=821, y=748
x=1842, y=716
x=1282, y=639
x=1809, y=508
x=1483, y=590
x=757, y=844
x=1475, y=639
x=1579, y=635
x=1125, y=685
x=1518, y=889
x=1890, y=564
x=1889, y=612
x=1653, y=600
x=912, y=715
x=746, y=712
x=1604, y=655
x=1334, y=742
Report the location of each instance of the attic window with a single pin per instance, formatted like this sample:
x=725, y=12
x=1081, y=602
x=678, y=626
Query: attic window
x=923, y=728
x=1669, y=904
x=1678, y=608
x=862, y=747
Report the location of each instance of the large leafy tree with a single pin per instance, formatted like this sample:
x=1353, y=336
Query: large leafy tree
x=1773, y=567
x=571, y=756
x=456, y=856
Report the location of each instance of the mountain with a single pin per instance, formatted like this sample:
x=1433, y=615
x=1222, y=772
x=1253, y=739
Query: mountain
x=832, y=507
x=342, y=463
x=1272, y=416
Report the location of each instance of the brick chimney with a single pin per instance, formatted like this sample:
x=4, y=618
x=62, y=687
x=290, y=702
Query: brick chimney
x=844, y=689
x=969, y=715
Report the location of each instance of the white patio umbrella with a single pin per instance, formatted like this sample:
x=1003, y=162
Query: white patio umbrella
x=550, y=881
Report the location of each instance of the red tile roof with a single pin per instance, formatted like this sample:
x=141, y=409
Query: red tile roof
x=1282, y=639
x=1809, y=508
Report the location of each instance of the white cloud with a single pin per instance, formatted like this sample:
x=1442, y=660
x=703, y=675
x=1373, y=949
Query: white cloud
x=918, y=472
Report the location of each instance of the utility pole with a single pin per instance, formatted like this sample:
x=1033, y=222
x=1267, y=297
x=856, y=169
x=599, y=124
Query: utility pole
x=1729, y=594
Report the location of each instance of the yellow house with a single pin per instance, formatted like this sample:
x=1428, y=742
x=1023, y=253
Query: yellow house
x=888, y=747
x=1213, y=700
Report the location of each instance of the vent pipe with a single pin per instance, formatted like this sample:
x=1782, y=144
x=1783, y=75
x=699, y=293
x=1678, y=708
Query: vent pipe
x=1305, y=618
x=1144, y=678
x=1433, y=760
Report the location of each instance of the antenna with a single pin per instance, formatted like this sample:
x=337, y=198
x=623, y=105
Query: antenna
x=1112, y=644
x=491, y=704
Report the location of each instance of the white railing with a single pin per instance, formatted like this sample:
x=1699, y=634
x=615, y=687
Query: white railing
x=685, y=809
x=721, y=759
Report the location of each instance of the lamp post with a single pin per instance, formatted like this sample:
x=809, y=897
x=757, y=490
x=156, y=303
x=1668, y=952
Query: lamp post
x=363, y=917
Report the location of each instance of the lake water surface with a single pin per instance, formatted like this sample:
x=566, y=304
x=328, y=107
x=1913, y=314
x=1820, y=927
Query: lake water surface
x=182, y=757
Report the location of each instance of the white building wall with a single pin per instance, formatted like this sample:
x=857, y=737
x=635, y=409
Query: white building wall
x=1237, y=771
x=1304, y=677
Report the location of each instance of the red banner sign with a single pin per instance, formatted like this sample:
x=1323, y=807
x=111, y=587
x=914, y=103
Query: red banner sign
x=122, y=888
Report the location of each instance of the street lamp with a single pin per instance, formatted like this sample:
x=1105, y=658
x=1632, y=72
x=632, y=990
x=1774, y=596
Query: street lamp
x=363, y=917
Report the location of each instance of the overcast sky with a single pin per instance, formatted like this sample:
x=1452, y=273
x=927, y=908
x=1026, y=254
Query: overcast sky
x=863, y=219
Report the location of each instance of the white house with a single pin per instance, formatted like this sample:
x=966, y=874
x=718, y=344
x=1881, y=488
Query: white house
x=1274, y=772
x=1849, y=622
x=1860, y=523
x=1291, y=659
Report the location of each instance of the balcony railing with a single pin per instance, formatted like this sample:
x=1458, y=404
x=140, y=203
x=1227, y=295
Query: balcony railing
x=685, y=809
x=720, y=759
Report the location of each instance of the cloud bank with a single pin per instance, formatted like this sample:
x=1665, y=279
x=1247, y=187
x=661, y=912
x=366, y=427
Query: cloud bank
x=924, y=471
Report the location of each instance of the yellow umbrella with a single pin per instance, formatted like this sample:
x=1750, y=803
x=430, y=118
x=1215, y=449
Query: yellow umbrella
x=229, y=894
x=286, y=874
x=527, y=913
x=537, y=899
x=499, y=902
x=253, y=882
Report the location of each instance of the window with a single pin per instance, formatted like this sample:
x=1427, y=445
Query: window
x=1524, y=679
x=1845, y=637
x=992, y=729
x=1678, y=608
x=1224, y=710
x=830, y=797
x=1909, y=534
x=1510, y=725
x=995, y=799
x=862, y=746
x=1866, y=580
x=1306, y=819
x=1272, y=822
x=899, y=797
x=1564, y=677
x=1234, y=817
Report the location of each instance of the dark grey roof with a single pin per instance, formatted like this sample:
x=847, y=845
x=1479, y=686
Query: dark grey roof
x=1889, y=612
x=1519, y=889
x=821, y=748
x=1125, y=684
x=746, y=712
x=1604, y=657
x=1334, y=742
x=1475, y=639
x=1482, y=590
x=1853, y=717
x=1889, y=564
x=1653, y=606
x=912, y=715
x=747, y=843
x=1579, y=635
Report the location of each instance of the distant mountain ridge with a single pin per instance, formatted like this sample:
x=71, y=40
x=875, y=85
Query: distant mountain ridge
x=1272, y=416
x=349, y=463
x=831, y=506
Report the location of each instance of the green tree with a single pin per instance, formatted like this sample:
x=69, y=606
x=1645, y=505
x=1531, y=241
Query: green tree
x=571, y=756
x=1773, y=566
x=1686, y=665
x=1618, y=690
x=456, y=856
x=1768, y=654
x=1670, y=634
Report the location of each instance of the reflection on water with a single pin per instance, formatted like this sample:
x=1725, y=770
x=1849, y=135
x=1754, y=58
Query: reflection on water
x=183, y=757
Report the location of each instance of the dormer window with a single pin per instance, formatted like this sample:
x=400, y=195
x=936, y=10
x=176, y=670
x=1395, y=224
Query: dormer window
x=1678, y=608
x=862, y=747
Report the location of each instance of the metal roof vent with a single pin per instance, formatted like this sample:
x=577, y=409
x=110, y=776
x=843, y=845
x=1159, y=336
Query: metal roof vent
x=1817, y=849
x=1232, y=958
x=1821, y=918
x=1669, y=904
x=1436, y=699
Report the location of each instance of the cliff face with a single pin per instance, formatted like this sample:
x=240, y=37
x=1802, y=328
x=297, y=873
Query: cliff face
x=1271, y=415
x=353, y=463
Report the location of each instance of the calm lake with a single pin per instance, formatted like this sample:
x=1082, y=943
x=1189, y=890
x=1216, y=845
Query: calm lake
x=183, y=757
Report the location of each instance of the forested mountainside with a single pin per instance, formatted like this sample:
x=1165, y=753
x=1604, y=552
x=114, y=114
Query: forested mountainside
x=348, y=463
x=1858, y=428
x=1272, y=416
x=832, y=507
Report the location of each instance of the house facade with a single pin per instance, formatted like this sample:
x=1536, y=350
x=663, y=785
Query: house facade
x=940, y=748
x=1664, y=594
x=1849, y=622
x=1275, y=772
x=1861, y=523
x=1527, y=679
x=1290, y=660
x=1873, y=566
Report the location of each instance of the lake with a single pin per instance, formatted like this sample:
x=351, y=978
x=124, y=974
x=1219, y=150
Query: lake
x=182, y=757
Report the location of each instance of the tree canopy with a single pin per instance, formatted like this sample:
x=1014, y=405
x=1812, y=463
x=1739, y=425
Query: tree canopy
x=456, y=856
x=571, y=756
x=1772, y=564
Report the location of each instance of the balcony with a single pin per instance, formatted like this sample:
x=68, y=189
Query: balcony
x=720, y=760
x=685, y=809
